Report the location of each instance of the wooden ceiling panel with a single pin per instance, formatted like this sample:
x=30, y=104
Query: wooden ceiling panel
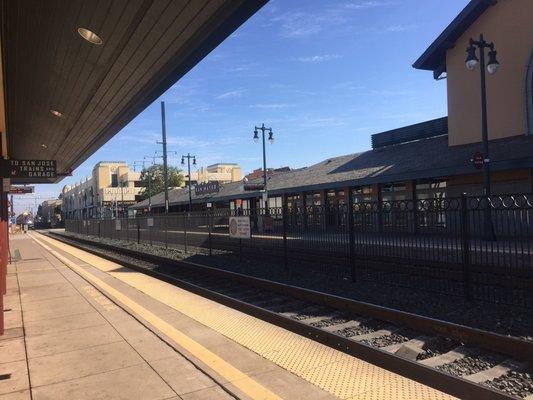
x=148, y=45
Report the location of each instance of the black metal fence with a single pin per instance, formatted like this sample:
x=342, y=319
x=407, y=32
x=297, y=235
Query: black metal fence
x=438, y=245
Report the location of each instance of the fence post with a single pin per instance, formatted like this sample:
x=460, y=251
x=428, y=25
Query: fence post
x=99, y=229
x=185, y=222
x=166, y=232
x=284, y=210
x=138, y=232
x=150, y=230
x=380, y=208
x=351, y=233
x=414, y=198
x=465, y=239
x=209, y=228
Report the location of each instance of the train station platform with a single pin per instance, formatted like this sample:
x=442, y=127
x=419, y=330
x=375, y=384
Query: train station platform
x=81, y=327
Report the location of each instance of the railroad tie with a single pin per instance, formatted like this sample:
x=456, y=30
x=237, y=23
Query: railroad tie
x=496, y=371
x=375, y=334
x=446, y=358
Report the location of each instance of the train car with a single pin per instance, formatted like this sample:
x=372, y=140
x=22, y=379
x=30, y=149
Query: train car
x=25, y=218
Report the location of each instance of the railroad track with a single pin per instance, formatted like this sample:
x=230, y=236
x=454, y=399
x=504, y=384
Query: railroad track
x=464, y=362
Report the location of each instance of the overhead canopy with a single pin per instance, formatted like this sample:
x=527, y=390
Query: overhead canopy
x=147, y=46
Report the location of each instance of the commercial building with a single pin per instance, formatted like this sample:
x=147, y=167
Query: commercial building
x=220, y=172
x=51, y=212
x=433, y=158
x=111, y=188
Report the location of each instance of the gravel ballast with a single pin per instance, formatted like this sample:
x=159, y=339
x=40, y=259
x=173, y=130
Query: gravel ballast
x=504, y=319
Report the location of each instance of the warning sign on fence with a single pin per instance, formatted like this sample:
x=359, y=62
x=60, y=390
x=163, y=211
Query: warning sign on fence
x=117, y=225
x=239, y=227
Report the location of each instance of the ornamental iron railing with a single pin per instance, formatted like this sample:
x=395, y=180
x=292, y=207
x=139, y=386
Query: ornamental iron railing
x=437, y=245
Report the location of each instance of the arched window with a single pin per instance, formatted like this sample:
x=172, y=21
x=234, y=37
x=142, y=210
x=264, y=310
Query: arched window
x=529, y=95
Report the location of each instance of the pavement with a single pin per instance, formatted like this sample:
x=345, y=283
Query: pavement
x=81, y=327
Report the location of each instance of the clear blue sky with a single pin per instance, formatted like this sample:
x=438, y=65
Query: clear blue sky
x=324, y=74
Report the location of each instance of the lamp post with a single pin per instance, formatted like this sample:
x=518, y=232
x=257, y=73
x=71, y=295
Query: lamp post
x=263, y=129
x=492, y=67
x=188, y=157
x=122, y=197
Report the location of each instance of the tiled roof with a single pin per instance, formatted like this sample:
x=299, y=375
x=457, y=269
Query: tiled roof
x=425, y=158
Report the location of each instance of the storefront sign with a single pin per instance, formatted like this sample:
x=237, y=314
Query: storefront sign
x=118, y=203
x=21, y=189
x=239, y=227
x=119, y=191
x=206, y=188
x=254, y=186
x=34, y=170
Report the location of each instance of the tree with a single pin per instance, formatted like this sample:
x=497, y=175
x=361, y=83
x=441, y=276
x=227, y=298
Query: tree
x=175, y=179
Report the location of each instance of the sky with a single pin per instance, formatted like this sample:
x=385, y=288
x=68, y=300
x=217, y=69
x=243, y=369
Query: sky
x=323, y=74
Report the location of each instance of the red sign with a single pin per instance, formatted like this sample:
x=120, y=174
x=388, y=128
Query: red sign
x=254, y=186
x=21, y=189
x=478, y=160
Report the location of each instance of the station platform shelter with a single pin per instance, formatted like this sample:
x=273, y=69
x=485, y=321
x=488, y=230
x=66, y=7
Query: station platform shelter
x=81, y=327
x=74, y=73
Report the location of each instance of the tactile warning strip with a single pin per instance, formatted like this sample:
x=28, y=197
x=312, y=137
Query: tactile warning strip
x=342, y=375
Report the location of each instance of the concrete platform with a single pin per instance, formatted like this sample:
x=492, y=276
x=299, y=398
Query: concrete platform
x=81, y=327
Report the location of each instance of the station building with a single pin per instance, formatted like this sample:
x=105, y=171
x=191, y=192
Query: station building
x=432, y=158
x=111, y=188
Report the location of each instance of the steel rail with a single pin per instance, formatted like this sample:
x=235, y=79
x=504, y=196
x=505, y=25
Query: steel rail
x=453, y=385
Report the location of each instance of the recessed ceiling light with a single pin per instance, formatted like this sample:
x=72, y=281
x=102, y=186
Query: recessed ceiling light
x=56, y=113
x=90, y=36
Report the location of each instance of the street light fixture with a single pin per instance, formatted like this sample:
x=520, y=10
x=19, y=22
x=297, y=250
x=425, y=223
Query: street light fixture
x=263, y=129
x=492, y=67
x=188, y=157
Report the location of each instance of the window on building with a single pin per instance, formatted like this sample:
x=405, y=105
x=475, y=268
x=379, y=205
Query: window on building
x=114, y=180
x=393, y=191
x=363, y=194
x=275, y=202
x=431, y=189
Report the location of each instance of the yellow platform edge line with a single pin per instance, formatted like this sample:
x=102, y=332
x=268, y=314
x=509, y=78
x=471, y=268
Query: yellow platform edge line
x=236, y=377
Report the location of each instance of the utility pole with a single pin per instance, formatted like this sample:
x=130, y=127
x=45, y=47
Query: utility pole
x=165, y=163
x=122, y=197
x=188, y=157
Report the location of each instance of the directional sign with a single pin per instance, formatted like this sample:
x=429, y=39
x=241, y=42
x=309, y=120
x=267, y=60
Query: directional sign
x=21, y=189
x=32, y=170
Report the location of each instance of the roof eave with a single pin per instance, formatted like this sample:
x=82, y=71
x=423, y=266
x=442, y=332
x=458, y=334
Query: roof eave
x=435, y=55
